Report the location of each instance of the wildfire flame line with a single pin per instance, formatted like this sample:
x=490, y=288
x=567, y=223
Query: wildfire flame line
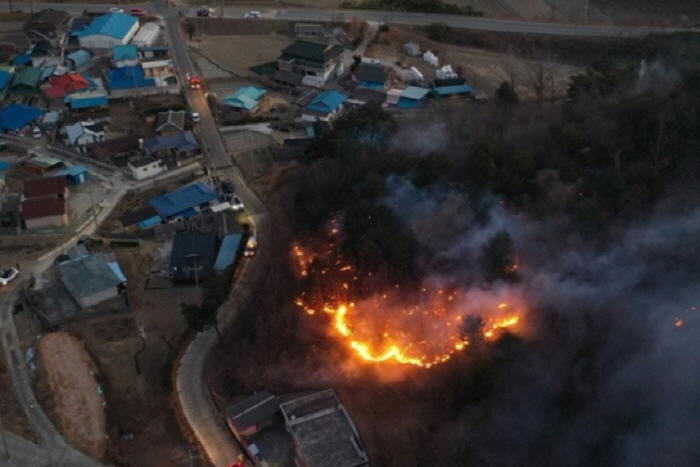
x=402, y=337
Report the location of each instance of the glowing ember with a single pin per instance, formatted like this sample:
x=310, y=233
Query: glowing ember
x=421, y=328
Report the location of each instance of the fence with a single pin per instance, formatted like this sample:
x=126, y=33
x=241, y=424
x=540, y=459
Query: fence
x=146, y=91
x=81, y=157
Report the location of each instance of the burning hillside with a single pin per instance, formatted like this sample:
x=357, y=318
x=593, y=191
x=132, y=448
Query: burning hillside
x=420, y=326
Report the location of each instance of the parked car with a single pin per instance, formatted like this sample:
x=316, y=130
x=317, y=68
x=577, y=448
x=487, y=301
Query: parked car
x=236, y=204
x=8, y=275
x=136, y=11
x=196, y=118
x=36, y=132
x=204, y=11
x=253, y=14
x=115, y=9
x=251, y=246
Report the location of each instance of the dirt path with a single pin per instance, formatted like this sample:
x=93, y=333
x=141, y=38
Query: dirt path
x=78, y=403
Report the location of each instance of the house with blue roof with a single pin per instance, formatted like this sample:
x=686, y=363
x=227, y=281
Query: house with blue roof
x=78, y=59
x=92, y=279
x=81, y=134
x=75, y=175
x=325, y=107
x=412, y=97
x=106, y=31
x=129, y=77
x=451, y=87
x=15, y=116
x=228, y=251
x=184, y=201
x=246, y=99
x=180, y=145
x=125, y=55
x=5, y=78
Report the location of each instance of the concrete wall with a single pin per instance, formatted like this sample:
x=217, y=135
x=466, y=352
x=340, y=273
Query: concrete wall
x=48, y=221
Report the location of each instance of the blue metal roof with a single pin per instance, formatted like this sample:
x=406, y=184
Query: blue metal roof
x=78, y=25
x=405, y=103
x=183, y=141
x=5, y=77
x=15, y=116
x=327, y=101
x=227, y=251
x=146, y=223
x=182, y=199
x=125, y=52
x=4, y=165
x=129, y=77
x=79, y=57
x=22, y=59
x=414, y=92
x=74, y=170
x=86, y=100
x=451, y=90
x=114, y=266
x=113, y=25
x=244, y=98
x=47, y=71
x=372, y=85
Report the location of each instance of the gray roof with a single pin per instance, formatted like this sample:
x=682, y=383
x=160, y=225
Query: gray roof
x=323, y=431
x=311, y=51
x=90, y=274
x=172, y=120
x=373, y=73
x=253, y=410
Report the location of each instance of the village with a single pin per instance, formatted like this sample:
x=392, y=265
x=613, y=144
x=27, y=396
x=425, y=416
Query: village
x=110, y=179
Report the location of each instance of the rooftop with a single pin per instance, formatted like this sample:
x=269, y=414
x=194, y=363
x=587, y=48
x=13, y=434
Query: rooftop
x=87, y=275
x=245, y=97
x=46, y=186
x=311, y=51
x=47, y=17
x=192, y=256
x=38, y=208
x=183, y=198
x=15, y=116
x=125, y=52
x=181, y=141
x=115, y=25
x=172, y=120
x=254, y=409
x=323, y=431
x=327, y=101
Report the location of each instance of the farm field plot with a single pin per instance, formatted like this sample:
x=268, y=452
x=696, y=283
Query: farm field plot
x=238, y=53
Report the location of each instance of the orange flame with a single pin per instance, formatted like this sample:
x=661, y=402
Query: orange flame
x=383, y=328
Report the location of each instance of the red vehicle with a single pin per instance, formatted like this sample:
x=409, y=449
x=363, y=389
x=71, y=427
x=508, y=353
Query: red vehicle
x=195, y=82
x=136, y=11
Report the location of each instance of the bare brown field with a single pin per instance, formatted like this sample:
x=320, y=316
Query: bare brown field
x=237, y=53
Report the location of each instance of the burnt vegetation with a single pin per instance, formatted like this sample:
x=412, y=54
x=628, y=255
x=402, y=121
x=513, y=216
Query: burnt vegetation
x=624, y=147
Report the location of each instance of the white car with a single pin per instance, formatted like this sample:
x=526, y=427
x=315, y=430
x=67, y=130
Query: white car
x=236, y=203
x=196, y=118
x=253, y=14
x=115, y=9
x=8, y=275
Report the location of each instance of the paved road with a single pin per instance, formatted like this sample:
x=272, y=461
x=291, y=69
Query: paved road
x=397, y=17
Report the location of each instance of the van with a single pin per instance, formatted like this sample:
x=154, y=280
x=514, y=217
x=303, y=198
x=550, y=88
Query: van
x=36, y=132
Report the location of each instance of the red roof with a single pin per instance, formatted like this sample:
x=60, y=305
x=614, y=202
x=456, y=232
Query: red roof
x=36, y=208
x=46, y=186
x=70, y=82
x=54, y=92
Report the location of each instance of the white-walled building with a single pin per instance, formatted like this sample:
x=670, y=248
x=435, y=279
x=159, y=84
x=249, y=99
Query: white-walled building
x=146, y=167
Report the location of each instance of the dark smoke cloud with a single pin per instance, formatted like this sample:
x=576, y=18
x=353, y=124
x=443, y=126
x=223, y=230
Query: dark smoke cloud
x=605, y=334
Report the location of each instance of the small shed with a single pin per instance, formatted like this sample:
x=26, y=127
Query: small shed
x=412, y=97
x=50, y=120
x=227, y=252
x=147, y=35
x=246, y=99
x=250, y=415
x=78, y=59
x=75, y=175
x=411, y=49
x=41, y=165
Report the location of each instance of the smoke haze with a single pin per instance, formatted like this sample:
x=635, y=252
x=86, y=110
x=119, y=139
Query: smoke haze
x=613, y=332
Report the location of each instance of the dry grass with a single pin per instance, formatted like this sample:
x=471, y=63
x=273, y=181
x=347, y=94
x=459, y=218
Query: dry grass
x=235, y=53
